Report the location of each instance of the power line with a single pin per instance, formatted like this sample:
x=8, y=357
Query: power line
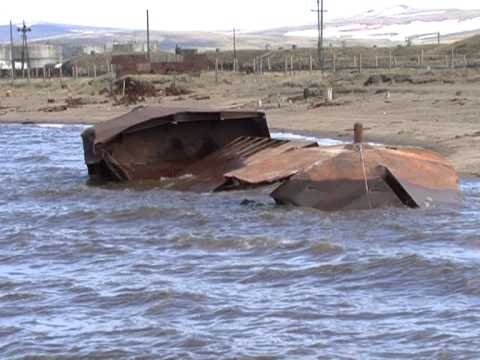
x=25, y=55
x=234, y=50
x=320, y=11
x=12, y=56
x=148, y=36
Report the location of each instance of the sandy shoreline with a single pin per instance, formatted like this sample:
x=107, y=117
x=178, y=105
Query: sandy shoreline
x=440, y=116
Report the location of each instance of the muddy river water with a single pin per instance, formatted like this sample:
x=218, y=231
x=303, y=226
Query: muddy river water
x=119, y=272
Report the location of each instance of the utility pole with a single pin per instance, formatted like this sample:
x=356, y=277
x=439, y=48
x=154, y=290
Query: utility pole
x=234, y=51
x=25, y=56
x=12, y=59
x=148, y=36
x=320, y=11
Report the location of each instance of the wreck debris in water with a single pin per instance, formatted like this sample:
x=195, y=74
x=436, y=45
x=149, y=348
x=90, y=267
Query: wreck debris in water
x=209, y=151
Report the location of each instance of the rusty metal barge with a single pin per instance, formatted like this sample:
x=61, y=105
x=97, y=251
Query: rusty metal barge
x=208, y=151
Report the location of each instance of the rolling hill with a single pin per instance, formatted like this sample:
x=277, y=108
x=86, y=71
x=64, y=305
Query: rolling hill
x=386, y=27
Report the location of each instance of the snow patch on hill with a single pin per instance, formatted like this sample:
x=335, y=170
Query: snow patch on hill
x=396, y=24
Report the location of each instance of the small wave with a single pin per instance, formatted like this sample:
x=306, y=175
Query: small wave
x=326, y=248
x=433, y=275
x=33, y=158
x=10, y=330
x=123, y=298
x=145, y=212
x=14, y=297
x=59, y=191
x=7, y=285
x=228, y=242
x=269, y=275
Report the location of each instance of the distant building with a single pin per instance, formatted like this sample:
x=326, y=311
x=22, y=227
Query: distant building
x=40, y=55
x=186, y=52
x=134, y=47
x=125, y=64
x=94, y=49
x=135, y=63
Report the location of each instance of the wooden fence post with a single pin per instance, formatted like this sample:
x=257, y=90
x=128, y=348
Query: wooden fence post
x=310, y=59
x=286, y=65
x=334, y=61
x=329, y=98
x=360, y=63
x=216, y=71
x=390, y=59
x=291, y=66
x=452, y=65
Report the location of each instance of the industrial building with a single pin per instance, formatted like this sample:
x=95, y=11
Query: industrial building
x=134, y=47
x=188, y=61
x=39, y=56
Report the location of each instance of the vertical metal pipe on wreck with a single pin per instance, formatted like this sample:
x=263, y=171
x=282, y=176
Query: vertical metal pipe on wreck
x=358, y=133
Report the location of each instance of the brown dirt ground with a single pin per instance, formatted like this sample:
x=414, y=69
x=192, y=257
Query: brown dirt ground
x=442, y=114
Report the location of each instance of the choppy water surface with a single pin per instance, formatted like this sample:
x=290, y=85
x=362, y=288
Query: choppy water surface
x=114, y=272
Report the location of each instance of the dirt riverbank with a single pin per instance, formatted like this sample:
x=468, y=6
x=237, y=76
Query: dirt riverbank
x=438, y=110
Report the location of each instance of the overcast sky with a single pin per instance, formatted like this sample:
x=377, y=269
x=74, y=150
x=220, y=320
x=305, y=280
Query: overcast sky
x=199, y=14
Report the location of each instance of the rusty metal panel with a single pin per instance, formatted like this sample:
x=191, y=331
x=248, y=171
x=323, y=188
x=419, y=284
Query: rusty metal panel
x=412, y=177
x=142, y=117
x=165, y=151
x=276, y=165
x=208, y=174
x=425, y=176
x=212, y=172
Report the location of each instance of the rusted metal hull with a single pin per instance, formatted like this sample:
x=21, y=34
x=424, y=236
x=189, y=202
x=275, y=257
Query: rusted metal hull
x=372, y=177
x=150, y=144
x=209, y=151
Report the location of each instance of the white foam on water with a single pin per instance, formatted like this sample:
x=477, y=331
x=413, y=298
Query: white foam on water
x=61, y=126
x=50, y=125
x=291, y=136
